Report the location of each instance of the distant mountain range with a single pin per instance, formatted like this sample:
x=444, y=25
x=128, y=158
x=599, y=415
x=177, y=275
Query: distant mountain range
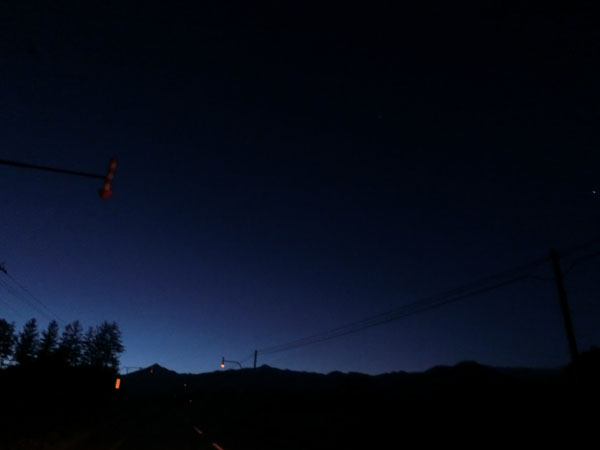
x=268, y=408
x=468, y=374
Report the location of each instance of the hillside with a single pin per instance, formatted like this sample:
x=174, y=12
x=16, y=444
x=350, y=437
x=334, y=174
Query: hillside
x=270, y=408
x=157, y=379
x=265, y=408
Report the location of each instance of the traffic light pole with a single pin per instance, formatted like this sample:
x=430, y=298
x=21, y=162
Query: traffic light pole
x=6, y=162
x=105, y=191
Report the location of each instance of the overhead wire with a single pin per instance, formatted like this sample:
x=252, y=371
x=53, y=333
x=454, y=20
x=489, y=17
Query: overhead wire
x=35, y=298
x=24, y=300
x=583, y=258
x=470, y=289
x=400, y=313
x=34, y=306
x=247, y=358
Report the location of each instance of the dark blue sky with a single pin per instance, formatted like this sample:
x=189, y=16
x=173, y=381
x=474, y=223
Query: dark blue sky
x=286, y=171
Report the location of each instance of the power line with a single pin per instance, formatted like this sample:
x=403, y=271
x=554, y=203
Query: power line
x=391, y=315
x=34, y=298
x=474, y=288
x=573, y=264
x=397, y=314
x=49, y=314
x=578, y=248
x=420, y=305
x=20, y=297
x=581, y=259
x=477, y=287
x=251, y=355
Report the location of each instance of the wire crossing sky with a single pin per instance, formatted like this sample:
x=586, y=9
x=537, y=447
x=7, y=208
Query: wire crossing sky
x=21, y=293
x=475, y=288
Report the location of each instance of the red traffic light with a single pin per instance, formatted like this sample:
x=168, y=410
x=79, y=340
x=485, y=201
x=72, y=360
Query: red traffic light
x=105, y=191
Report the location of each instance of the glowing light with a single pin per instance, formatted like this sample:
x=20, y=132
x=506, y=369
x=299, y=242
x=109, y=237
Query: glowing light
x=118, y=383
x=222, y=366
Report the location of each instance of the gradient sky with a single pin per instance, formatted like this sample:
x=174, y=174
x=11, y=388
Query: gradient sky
x=283, y=171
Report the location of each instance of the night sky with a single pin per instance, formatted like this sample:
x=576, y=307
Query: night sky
x=286, y=170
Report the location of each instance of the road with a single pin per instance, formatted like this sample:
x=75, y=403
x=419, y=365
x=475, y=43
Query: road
x=147, y=428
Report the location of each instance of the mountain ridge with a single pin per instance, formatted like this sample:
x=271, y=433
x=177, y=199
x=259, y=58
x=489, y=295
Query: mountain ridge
x=466, y=375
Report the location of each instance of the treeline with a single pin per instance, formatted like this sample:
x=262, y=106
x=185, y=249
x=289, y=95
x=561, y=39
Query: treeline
x=98, y=347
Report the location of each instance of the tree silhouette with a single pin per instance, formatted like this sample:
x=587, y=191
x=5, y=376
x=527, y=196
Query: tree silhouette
x=7, y=340
x=88, y=346
x=27, y=343
x=49, y=341
x=100, y=347
x=103, y=345
x=71, y=344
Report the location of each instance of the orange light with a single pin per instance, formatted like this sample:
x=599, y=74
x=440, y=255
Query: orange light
x=118, y=383
x=222, y=366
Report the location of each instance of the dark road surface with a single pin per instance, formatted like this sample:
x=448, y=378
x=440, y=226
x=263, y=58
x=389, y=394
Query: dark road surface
x=155, y=427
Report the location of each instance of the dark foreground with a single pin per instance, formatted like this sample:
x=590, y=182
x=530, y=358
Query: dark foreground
x=469, y=405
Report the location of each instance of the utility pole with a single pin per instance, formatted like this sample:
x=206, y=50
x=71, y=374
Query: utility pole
x=255, y=357
x=562, y=296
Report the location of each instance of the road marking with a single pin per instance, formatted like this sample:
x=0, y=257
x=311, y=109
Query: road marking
x=217, y=446
x=198, y=431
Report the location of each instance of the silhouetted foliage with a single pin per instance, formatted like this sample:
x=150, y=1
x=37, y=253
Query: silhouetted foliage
x=49, y=341
x=88, y=347
x=27, y=343
x=71, y=344
x=7, y=340
x=103, y=345
x=99, y=348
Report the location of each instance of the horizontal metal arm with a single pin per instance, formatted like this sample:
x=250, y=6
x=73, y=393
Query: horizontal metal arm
x=6, y=162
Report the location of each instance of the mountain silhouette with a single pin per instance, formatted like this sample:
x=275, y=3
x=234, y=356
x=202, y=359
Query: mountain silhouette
x=467, y=375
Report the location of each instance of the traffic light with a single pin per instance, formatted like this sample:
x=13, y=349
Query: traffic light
x=223, y=363
x=105, y=191
x=118, y=383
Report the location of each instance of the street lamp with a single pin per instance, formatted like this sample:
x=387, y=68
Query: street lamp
x=223, y=361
